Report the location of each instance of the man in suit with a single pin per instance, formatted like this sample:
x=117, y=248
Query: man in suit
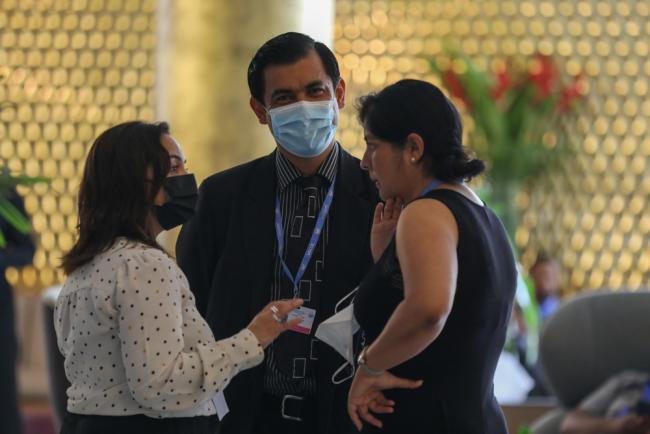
x=294, y=223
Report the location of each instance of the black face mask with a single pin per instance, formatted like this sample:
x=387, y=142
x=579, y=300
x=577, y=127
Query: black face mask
x=181, y=205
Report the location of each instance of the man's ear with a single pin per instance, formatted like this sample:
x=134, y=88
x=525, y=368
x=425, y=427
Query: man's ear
x=259, y=110
x=340, y=93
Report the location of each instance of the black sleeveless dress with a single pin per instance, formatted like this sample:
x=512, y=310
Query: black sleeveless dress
x=458, y=367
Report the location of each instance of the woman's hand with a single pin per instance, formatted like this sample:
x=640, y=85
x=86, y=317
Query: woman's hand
x=384, y=223
x=266, y=327
x=365, y=396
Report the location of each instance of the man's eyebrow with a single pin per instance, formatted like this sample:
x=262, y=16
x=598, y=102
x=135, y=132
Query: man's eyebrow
x=277, y=92
x=283, y=91
x=176, y=157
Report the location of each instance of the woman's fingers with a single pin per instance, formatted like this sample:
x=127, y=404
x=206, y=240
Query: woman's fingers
x=388, y=209
x=389, y=381
x=379, y=407
x=368, y=417
x=360, y=408
x=381, y=400
x=379, y=210
x=284, y=307
x=352, y=412
x=280, y=309
x=272, y=320
x=292, y=323
x=403, y=383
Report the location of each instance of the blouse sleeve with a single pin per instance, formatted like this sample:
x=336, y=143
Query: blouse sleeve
x=166, y=370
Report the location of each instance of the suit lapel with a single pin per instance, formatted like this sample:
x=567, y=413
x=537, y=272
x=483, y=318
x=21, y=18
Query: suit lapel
x=346, y=253
x=258, y=239
x=349, y=232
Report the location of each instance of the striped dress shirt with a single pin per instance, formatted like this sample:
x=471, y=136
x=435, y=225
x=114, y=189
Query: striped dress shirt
x=295, y=376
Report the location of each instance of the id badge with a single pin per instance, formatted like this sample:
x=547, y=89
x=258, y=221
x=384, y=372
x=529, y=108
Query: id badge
x=307, y=316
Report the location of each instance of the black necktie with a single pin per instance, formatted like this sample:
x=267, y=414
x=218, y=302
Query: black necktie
x=292, y=349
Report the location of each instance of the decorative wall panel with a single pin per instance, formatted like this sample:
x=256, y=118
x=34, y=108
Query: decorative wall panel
x=68, y=70
x=592, y=214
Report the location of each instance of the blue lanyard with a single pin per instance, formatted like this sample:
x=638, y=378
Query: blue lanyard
x=431, y=186
x=315, y=235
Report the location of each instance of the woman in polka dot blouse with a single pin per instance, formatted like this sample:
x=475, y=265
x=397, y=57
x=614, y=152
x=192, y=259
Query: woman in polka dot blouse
x=138, y=355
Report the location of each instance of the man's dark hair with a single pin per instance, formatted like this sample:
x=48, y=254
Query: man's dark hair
x=285, y=49
x=116, y=197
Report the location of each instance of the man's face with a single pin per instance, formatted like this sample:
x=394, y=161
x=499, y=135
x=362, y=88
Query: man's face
x=546, y=277
x=303, y=80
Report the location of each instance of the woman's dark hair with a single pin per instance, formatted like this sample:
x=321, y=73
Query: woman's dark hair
x=415, y=106
x=285, y=49
x=116, y=196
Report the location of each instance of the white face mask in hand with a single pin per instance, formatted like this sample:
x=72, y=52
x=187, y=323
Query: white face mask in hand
x=338, y=332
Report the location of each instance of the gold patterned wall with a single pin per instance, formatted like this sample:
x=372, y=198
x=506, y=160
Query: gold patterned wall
x=593, y=214
x=68, y=69
x=71, y=68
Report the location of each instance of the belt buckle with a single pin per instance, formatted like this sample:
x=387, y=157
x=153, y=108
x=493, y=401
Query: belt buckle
x=283, y=412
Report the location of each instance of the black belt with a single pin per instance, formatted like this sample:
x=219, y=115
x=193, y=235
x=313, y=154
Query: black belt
x=290, y=407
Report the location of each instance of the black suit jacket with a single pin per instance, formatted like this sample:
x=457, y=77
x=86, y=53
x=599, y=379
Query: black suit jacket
x=226, y=251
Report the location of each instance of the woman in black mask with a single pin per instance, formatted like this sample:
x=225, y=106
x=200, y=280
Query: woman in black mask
x=138, y=355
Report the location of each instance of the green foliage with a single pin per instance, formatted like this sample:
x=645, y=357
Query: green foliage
x=516, y=114
x=8, y=183
x=524, y=430
x=7, y=210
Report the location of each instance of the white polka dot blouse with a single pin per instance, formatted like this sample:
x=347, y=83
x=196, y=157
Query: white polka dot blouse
x=134, y=342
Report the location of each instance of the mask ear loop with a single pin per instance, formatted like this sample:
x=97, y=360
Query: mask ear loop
x=354, y=291
x=346, y=363
x=341, y=369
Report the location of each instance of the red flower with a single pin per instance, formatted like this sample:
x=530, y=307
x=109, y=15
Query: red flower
x=502, y=85
x=543, y=73
x=452, y=82
x=570, y=94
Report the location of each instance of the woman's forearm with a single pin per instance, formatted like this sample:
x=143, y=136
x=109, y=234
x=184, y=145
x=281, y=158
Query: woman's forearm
x=409, y=330
x=426, y=241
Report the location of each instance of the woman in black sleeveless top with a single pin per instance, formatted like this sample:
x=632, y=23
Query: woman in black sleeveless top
x=436, y=305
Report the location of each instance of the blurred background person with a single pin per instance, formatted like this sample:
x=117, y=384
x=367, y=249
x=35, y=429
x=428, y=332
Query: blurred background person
x=17, y=252
x=621, y=405
x=545, y=274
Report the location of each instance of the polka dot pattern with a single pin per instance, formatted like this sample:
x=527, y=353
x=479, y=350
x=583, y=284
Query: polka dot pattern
x=134, y=342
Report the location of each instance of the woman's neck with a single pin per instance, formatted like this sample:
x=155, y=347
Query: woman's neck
x=416, y=188
x=153, y=227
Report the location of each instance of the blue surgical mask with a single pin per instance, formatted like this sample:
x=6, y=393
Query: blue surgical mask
x=304, y=128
